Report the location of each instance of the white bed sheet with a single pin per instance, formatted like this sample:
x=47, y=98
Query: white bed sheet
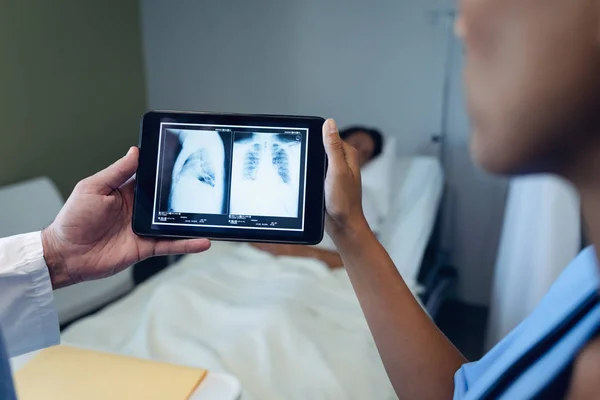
x=287, y=328
x=405, y=233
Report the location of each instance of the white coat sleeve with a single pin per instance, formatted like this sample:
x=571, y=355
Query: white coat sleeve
x=27, y=314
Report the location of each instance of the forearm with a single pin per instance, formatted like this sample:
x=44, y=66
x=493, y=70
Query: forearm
x=27, y=316
x=419, y=359
x=331, y=258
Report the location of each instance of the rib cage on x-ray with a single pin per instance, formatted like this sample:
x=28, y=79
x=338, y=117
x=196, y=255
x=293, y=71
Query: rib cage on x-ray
x=251, y=161
x=279, y=159
x=267, y=181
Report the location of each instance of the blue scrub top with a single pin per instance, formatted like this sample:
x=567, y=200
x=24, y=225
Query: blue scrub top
x=570, y=309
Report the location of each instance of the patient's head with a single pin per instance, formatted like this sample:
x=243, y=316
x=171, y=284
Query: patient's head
x=533, y=82
x=367, y=141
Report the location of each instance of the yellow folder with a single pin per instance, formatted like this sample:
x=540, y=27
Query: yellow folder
x=66, y=373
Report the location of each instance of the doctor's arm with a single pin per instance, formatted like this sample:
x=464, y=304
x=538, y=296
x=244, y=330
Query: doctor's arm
x=28, y=318
x=420, y=361
x=91, y=238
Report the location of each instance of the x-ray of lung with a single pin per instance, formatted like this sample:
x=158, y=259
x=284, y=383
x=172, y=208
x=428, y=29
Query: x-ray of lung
x=198, y=179
x=265, y=176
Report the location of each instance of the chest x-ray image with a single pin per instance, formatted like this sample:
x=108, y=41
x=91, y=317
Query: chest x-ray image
x=198, y=178
x=265, y=177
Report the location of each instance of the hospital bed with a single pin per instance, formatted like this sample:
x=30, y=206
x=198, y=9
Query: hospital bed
x=408, y=233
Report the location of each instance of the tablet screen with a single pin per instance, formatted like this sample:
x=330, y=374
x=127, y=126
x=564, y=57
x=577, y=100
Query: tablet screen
x=231, y=176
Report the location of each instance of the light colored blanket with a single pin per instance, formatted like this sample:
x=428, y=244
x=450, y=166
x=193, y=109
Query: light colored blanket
x=288, y=328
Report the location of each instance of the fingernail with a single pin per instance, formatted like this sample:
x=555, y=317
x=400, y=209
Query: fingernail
x=330, y=126
x=129, y=151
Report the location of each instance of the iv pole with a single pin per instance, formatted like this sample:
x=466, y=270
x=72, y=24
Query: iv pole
x=445, y=18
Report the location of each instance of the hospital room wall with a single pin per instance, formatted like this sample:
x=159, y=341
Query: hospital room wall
x=378, y=63
x=71, y=87
x=331, y=58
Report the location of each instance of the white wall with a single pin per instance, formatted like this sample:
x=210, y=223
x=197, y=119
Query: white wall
x=378, y=63
x=360, y=63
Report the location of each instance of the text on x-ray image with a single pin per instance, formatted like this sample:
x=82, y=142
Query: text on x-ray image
x=265, y=177
x=198, y=178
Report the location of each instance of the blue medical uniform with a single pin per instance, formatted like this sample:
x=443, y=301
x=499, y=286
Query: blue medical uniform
x=536, y=359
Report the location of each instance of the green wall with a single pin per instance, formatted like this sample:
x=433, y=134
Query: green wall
x=71, y=87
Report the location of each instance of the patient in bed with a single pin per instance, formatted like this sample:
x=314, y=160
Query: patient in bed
x=369, y=144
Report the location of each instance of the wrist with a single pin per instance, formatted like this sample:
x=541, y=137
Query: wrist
x=352, y=232
x=55, y=262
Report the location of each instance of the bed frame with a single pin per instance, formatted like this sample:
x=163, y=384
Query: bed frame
x=438, y=278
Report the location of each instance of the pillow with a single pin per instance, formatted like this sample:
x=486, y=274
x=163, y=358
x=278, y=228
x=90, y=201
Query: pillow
x=377, y=176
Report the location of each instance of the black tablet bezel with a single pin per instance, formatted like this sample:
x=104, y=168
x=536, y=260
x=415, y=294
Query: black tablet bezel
x=314, y=209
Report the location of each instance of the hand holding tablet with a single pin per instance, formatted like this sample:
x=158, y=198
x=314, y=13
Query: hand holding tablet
x=231, y=177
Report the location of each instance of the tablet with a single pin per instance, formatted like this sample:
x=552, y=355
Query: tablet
x=231, y=177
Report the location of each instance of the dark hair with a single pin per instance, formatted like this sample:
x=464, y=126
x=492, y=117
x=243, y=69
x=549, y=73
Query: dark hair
x=373, y=133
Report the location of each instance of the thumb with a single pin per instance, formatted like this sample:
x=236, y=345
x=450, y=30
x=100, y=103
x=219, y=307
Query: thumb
x=118, y=173
x=334, y=146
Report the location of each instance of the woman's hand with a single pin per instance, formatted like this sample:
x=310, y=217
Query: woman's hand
x=343, y=192
x=92, y=238
x=331, y=258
